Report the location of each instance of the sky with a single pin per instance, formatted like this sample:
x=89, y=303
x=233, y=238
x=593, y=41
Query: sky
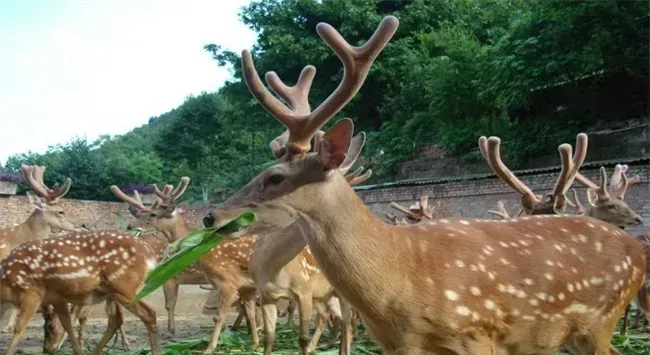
x=87, y=68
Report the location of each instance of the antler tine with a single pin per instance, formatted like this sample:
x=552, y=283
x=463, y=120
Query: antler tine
x=135, y=202
x=354, y=181
x=356, y=65
x=620, y=182
x=30, y=175
x=577, y=205
x=401, y=208
x=424, y=203
x=180, y=189
x=296, y=96
x=356, y=144
x=502, y=212
x=570, y=166
x=492, y=147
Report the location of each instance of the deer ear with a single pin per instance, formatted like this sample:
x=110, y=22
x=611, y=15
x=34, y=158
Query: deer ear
x=335, y=143
x=36, y=201
x=592, y=196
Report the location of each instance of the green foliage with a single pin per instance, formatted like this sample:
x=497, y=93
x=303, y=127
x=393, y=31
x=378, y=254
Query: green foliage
x=534, y=73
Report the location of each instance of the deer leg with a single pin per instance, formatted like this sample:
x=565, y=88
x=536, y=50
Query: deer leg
x=148, y=316
x=9, y=311
x=637, y=319
x=26, y=310
x=291, y=310
x=340, y=325
x=305, y=310
x=82, y=315
x=240, y=318
x=226, y=298
x=321, y=320
x=115, y=321
x=248, y=301
x=170, y=291
x=347, y=326
x=259, y=319
x=270, y=317
x=63, y=312
x=625, y=319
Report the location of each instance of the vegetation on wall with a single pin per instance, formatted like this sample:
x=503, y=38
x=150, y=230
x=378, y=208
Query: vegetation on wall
x=456, y=69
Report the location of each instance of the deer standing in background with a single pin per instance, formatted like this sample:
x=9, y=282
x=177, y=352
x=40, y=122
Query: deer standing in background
x=47, y=214
x=427, y=288
x=225, y=266
x=83, y=269
x=415, y=213
x=280, y=272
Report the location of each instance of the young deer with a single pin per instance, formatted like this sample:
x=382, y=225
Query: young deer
x=466, y=286
x=79, y=268
x=280, y=272
x=225, y=266
x=415, y=213
x=47, y=214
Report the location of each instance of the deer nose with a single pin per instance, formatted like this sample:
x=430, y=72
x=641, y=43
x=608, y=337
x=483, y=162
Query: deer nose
x=639, y=220
x=129, y=227
x=208, y=220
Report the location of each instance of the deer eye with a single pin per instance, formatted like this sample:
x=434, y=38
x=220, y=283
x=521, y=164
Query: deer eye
x=153, y=215
x=276, y=179
x=61, y=212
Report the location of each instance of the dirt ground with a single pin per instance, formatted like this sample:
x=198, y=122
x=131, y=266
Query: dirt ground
x=190, y=323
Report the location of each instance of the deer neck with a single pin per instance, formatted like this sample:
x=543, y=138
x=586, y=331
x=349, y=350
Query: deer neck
x=177, y=230
x=274, y=250
x=344, y=234
x=35, y=227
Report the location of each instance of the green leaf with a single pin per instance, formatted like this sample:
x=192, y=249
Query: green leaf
x=193, y=247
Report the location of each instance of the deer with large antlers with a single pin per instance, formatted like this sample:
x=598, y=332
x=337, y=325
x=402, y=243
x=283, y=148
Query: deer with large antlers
x=47, y=214
x=225, y=266
x=458, y=285
x=81, y=269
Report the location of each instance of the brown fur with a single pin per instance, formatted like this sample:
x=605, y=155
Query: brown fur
x=80, y=268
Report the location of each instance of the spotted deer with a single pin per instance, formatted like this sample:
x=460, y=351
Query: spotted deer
x=47, y=214
x=415, y=213
x=426, y=288
x=225, y=266
x=79, y=268
x=280, y=272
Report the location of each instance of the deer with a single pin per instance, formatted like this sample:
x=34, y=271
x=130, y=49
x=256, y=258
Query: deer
x=47, y=214
x=279, y=272
x=225, y=266
x=79, y=268
x=415, y=213
x=426, y=288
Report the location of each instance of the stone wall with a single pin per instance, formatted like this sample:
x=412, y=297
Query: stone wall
x=458, y=198
x=95, y=214
x=474, y=198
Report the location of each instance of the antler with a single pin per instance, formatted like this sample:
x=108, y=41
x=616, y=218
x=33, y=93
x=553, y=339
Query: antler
x=600, y=190
x=33, y=174
x=419, y=210
x=502, y=211
x=620, y=182
x=167, y=196
x=532, y=203
x=299, y=121
x=392, y=218
x=577, y=206
x=135, y=201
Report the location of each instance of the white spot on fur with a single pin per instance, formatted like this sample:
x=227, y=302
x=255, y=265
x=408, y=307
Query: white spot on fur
x=451, y=295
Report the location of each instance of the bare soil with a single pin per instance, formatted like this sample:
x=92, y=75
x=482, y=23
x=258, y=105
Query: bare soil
x=190, y=323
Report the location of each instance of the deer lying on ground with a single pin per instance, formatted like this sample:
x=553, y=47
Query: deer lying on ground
x=47, y=214
x=415, y=213
x=280, y=272
x=427, y=288
x=79, y=268
x=225, y=266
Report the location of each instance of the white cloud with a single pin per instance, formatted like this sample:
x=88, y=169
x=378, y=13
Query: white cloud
x=104, y=67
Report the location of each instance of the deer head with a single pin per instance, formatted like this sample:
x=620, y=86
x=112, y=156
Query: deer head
x=416, y=212
x=45, y=200
x=335, y=149
x=605, y=205
x=532, y=203
x=163, y=215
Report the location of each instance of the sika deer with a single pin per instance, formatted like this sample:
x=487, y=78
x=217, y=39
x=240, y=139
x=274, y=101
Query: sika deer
x=80, y=268
x=46, y=215
x=427, y=288
x=280, y=272
x=225, y=266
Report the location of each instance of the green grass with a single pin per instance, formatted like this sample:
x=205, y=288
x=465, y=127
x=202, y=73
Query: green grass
x=238, y=342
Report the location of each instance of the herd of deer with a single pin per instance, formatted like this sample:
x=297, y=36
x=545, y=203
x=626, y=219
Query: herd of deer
x=529, y=284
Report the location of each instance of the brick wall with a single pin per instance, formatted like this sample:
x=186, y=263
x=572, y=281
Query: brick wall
x=95, y=214
x=474, y=198
x=461, y=198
